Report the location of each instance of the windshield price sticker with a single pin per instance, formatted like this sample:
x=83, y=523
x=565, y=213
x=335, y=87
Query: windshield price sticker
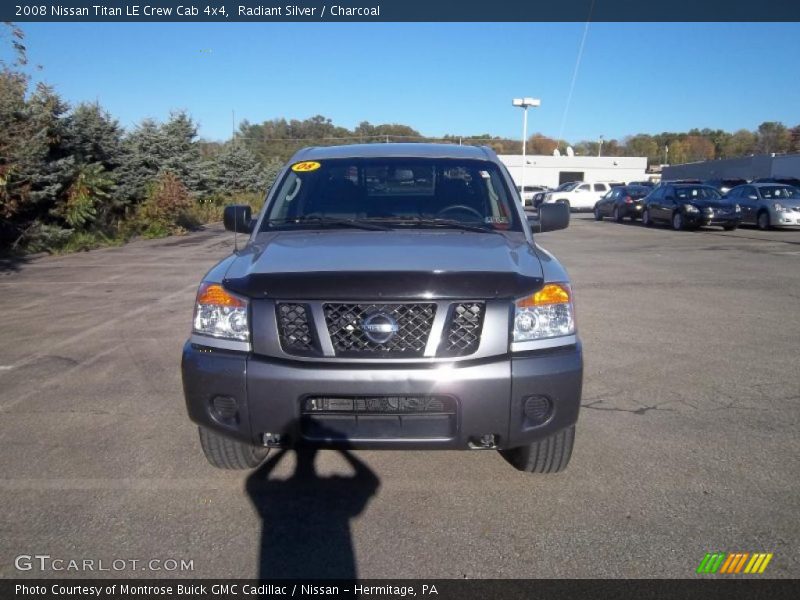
x=305, y=166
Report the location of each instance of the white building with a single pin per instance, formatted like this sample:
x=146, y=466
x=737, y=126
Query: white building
x=552, y=171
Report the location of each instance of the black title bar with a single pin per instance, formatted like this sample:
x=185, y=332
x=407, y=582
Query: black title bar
x=400, y=10
x=715, y=588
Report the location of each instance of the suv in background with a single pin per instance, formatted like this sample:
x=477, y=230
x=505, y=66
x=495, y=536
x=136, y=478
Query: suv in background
x=529, y=193
x=580, y=195
x=389, y=296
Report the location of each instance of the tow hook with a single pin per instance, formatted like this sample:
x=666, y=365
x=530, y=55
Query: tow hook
x=272, y=440
x=485, y=442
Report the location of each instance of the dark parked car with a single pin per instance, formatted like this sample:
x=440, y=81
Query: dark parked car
x=688, y=206
x=390, y=296
x=621, y=202
x=723, y=186
x=647, y=183
x=793, y=181
x=768, y=204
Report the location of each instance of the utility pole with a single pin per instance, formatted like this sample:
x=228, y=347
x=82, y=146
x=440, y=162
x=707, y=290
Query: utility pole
x=524, y=103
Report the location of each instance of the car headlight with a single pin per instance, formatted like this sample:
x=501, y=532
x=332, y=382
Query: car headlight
x=779, y=207
x=738, y=208
x=220, y=314
x=691, y=208
x=548, y=313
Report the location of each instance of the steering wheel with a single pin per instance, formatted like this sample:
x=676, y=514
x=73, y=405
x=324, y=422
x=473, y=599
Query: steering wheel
x=462, y=208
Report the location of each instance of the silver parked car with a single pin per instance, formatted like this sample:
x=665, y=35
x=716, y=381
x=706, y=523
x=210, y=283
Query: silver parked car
x=768, y=204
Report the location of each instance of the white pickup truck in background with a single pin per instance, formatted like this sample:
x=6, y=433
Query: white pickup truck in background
x=580, y=195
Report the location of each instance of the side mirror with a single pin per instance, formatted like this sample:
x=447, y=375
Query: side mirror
x=238, y=218
x=551, y=218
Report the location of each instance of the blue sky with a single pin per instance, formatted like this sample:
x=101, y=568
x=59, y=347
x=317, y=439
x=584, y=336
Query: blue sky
x=437, y=77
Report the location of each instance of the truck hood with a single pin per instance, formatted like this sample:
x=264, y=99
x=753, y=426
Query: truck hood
x=366, y=265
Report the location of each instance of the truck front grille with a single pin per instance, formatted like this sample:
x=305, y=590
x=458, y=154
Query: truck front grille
x=463, y=334
x=294, y=329
x=350, y=338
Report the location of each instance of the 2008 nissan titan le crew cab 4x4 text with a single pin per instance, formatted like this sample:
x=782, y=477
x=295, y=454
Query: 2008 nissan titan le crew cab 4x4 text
x=389, y=296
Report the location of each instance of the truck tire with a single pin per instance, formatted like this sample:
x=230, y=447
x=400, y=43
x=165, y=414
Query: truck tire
x=550, y=455
x=225, y=453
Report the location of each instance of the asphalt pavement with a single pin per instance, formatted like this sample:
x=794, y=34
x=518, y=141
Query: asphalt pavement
x=687, y=441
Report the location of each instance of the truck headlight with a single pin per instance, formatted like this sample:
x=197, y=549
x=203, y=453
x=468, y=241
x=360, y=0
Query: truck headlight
x=220, y=314
x=546, y=314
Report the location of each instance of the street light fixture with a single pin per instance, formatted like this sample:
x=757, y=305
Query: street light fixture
x=524, y=103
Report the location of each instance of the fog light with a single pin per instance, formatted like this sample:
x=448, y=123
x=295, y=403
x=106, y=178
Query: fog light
x=537, y=409
x=224, y=409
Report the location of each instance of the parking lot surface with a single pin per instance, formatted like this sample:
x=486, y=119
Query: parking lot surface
x=687, y=442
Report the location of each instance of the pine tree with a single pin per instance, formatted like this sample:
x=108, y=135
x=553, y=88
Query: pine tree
x=236, y=169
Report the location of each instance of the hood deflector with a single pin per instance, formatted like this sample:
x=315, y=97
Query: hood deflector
x=384, y=285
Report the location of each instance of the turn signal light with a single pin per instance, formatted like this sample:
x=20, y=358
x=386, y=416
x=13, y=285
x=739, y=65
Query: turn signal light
x=215, y=295
x=552, y=293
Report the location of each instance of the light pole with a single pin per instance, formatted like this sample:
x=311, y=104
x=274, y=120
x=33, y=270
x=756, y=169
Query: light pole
x=600, y=146
x=524, y=103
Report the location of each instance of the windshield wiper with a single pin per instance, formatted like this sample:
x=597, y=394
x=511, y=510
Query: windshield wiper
x=356, y=223
x=438, y=223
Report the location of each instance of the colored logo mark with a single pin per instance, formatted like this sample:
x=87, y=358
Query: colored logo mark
x=305, y=166
x=733, y=563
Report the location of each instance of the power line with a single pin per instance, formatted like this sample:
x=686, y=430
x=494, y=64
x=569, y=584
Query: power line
x=575, y=75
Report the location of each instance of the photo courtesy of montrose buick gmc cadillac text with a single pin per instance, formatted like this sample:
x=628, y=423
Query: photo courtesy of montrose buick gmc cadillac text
x=390, y=296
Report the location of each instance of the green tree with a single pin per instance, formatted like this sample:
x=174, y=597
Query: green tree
x=237, y=169
x=740, y=143
x=90, y=186
x=773, y=137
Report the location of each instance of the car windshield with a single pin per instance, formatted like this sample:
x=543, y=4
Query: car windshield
x=393, y=192
x=637, y=192
x=567, y=187
x=697, y=193
x=779, y=191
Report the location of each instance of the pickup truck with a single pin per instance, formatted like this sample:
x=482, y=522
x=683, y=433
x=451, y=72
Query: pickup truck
x=580, y=195
x=389, y=296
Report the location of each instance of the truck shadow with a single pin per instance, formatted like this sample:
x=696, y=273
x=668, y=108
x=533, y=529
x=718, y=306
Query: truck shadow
x=306, y=518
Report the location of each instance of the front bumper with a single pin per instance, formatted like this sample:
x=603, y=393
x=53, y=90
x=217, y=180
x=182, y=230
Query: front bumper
x=632, y=210
x=488, y=395
x=707, y=220
x=784, y=218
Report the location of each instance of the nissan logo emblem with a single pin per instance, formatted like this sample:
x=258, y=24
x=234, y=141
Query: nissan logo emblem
x=379, y=327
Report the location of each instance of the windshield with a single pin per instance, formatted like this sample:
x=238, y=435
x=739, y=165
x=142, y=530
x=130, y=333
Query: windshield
x=392, y=192
x=697, y=193
x=566, y=187
x=779, y=191
x=637, y=192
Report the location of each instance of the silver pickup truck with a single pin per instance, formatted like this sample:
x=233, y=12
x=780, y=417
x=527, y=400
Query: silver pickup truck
x=389, y=296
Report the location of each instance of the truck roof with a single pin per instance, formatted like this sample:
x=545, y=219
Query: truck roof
x=395, y=150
